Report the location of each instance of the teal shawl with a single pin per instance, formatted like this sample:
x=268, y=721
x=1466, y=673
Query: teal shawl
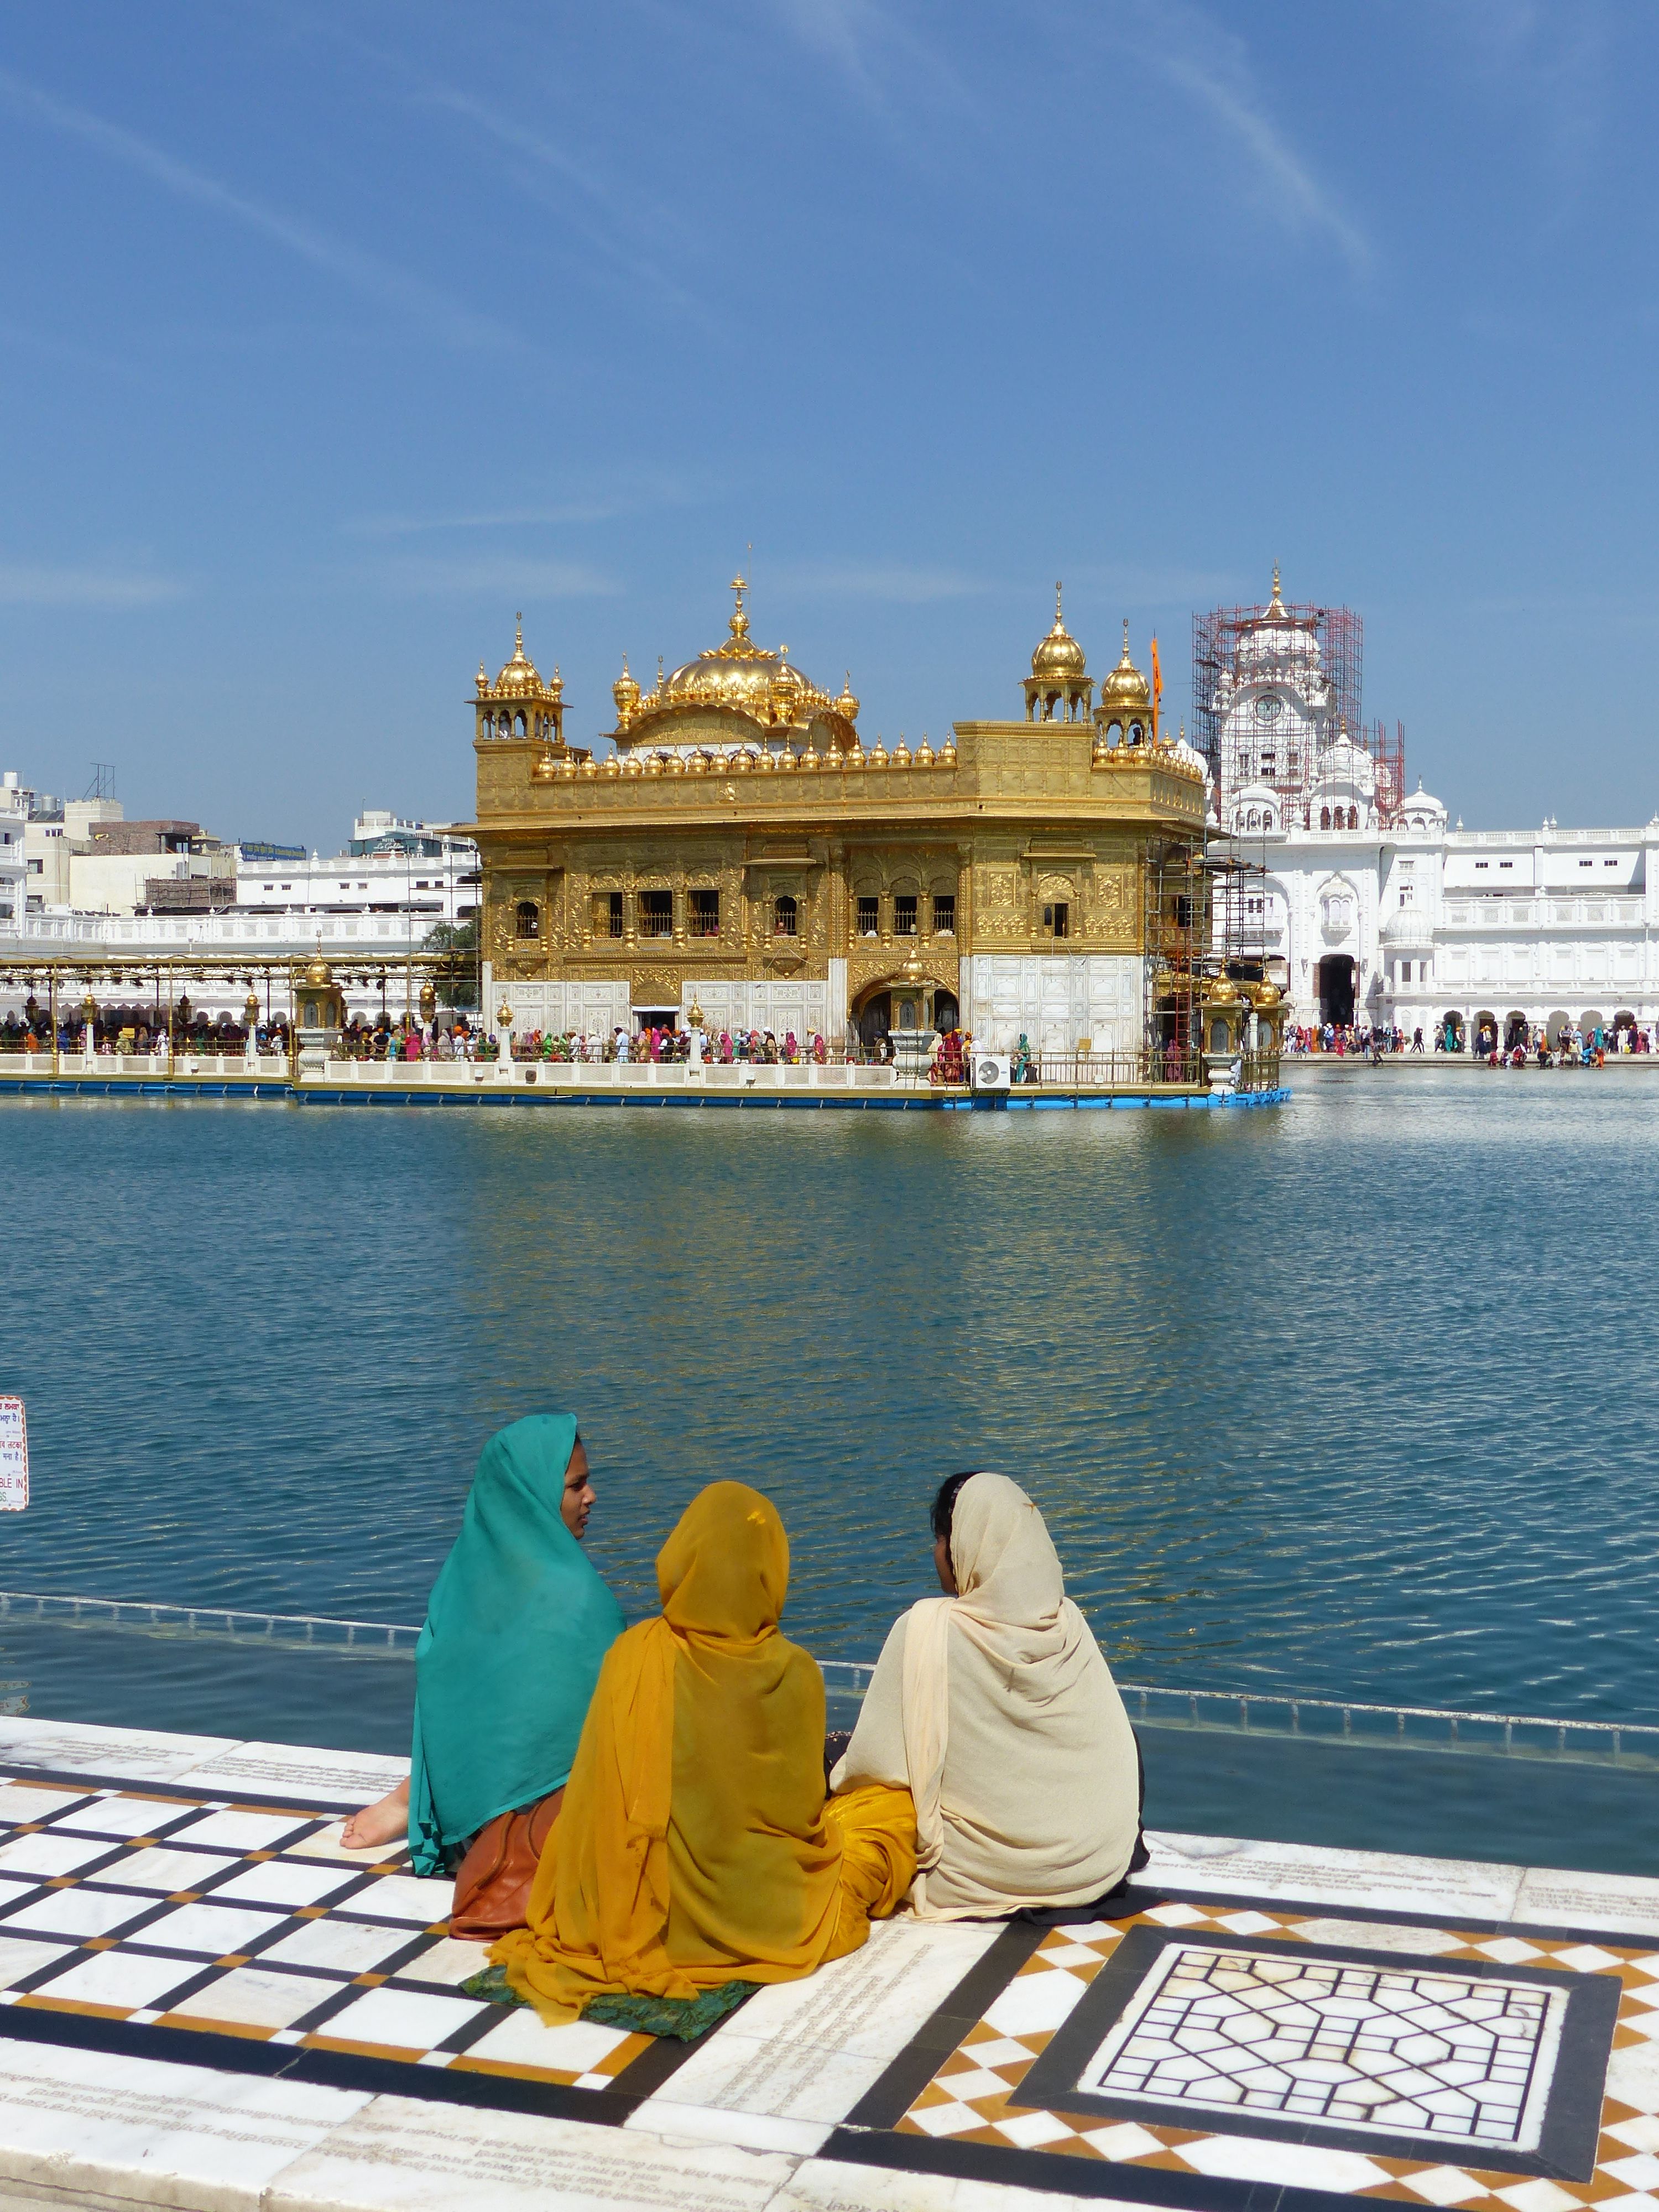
x=516, y=1626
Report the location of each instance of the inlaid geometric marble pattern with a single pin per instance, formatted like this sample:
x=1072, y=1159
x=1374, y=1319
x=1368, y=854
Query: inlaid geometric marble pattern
x=974, y=2097
x=199, y=1914
x=1369, y=2047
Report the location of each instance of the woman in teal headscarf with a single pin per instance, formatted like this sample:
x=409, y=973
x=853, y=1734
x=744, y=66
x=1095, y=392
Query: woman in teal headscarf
x=516, y=1626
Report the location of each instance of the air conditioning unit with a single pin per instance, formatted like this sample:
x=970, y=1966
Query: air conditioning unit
x=992, y=1071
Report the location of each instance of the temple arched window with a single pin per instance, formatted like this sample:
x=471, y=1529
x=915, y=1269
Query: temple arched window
x=529, y=918
x=1324, y=817
x=1136, y=733
x=786, y=916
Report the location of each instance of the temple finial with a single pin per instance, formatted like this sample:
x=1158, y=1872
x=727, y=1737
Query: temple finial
x=518, y=639
x=1059, y=619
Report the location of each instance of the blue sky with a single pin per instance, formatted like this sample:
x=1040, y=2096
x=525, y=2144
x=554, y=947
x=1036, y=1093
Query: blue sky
x=333, y=335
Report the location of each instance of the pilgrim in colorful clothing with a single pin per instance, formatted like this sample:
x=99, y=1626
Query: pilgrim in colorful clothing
x=696, y=1857
x=516, y=1627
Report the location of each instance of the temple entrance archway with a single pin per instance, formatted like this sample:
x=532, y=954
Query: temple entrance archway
x=1558, y=1026
x=1336, y=988
x=874, y=1016
x=1451, y=1028
x=947, y=1013
x=1517, y=1031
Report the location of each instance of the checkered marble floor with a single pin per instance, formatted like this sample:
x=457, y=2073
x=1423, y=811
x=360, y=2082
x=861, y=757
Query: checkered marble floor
x=189, y=1961
x=979, y=2094
x=198, y=1914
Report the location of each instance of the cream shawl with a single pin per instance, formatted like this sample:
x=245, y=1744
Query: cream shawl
x=999, y=1712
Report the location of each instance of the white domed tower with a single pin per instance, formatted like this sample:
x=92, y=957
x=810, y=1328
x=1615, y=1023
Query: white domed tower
x=1271, y=687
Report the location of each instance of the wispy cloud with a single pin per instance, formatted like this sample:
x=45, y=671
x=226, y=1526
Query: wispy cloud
x=877, y=581
x=636, y=491
x=520, y=518
x=365, y=273
x=1212, y=66
x=496, y=574
x=39, y=584
x=632, y=237
x=619, y=231
x=1556, y=63
x=878, y=53
x=1124, y=585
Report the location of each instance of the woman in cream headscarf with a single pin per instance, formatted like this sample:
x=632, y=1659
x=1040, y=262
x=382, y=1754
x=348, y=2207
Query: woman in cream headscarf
x=994, y=1707
x=696, y=1857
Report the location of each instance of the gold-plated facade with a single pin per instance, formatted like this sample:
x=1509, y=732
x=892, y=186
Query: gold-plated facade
x=737, y=833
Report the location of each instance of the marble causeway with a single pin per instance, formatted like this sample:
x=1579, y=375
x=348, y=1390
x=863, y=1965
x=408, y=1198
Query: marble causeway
x=205, y=2001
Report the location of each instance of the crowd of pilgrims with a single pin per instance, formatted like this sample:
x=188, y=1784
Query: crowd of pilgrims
x=135, y=1031
x=404, y=1037
x=647, y=1824
x=1523, y=1043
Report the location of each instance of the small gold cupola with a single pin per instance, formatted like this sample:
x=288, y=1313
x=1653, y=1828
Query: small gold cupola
x=1059, y=688
x=626, y=693
x=519, y=703
x=1125, y=713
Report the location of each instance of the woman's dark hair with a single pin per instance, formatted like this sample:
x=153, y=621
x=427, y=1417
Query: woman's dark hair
x=945, y=1502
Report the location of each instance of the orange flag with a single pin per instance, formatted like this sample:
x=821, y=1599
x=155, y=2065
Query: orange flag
x=1158, y=688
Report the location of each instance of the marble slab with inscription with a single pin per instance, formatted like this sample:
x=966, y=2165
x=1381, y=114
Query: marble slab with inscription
x=96, y=2127
x=1380, y=1881
x=398, y=2155
x=114, y=1753
x=810, y=2050
x=297, y=1772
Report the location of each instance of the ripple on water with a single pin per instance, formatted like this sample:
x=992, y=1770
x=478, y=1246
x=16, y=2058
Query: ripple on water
x=1345, y=1399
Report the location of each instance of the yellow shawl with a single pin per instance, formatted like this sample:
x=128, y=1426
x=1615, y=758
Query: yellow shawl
x=693, y=1848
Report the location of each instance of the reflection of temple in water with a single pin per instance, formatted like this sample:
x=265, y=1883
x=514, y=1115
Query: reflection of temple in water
x=730, y=842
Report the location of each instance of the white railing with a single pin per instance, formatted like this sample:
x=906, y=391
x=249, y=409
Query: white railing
x=175, y=938
x=1347, y=1722
x=266, y=1066
x=604, y=1075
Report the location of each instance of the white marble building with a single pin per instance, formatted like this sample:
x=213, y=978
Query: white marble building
x=14, y=822
x=1412, y=922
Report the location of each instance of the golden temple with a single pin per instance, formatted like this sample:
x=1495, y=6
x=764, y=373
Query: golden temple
x=730, y=842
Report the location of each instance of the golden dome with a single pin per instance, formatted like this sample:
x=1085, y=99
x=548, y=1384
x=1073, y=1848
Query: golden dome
x=520, y=679
x=846, y=705
x=1060, y=653
x=318, y=973
x=739, y=674
x=1126, y=687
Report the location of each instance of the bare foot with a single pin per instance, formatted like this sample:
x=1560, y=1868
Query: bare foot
x=377, y=1824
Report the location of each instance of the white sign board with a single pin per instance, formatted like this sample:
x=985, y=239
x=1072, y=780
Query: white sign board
x=14, y=1456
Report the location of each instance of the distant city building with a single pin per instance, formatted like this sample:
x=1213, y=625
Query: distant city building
x=391, y=865
x=76, y=875
x=1355, y=897
x=14, y=859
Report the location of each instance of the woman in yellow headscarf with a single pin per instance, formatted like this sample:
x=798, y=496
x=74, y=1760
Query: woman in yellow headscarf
x=695, y=1856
